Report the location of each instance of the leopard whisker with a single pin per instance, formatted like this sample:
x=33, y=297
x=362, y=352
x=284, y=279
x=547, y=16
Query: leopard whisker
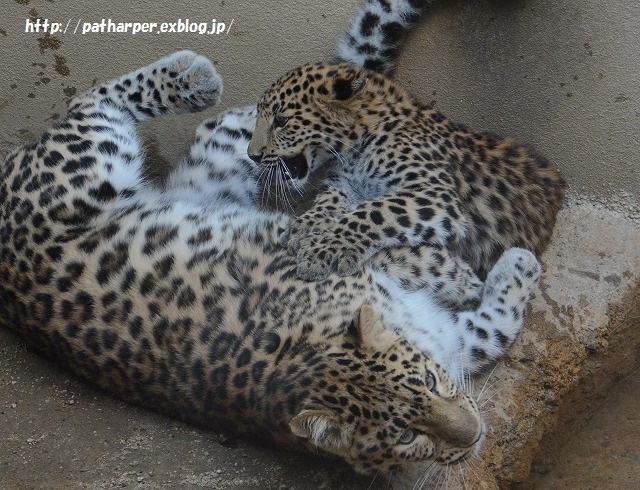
x=265, y=191
x=293, y=183
x=479, y=397
x=282, y=183
x=431, y=471
x=343, y=161
x=373, y=481
x=461, y=473
x=347, y=145
x=277, y=177
x=441, y=476
x=469, y=467
x=266, y=176
x=490, y=398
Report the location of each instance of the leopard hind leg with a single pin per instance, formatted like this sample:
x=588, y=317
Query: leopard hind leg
x=485, y=334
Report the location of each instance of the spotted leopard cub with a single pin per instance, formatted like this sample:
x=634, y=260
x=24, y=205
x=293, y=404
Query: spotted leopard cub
x=372, y=40
x=181, y=298
x=404, y=174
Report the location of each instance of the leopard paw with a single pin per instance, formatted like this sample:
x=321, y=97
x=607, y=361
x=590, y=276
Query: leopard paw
x=193, y=78
x=517, y=270
x=322, y=254
x=311, y=223
x=315, y=261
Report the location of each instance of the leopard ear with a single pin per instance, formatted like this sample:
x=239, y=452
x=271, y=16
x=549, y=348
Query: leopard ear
x=371, y=331
x=346, y=88
x=321, y=427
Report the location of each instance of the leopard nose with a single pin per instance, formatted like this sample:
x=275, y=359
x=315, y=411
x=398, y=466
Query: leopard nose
x=256, y=157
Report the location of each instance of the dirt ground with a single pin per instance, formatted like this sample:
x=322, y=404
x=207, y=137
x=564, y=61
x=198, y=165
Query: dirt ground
x=57, y=433
x=604, y=453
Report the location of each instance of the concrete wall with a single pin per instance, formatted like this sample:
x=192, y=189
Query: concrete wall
x=560, y=74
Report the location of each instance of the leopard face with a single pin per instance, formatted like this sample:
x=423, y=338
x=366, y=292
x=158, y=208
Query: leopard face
x=383, y=404
x=308, y=117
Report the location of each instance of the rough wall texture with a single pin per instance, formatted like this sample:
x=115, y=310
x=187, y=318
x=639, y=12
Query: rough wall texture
x=560, y=74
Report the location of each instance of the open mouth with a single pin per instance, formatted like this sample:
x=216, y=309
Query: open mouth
x=295, y=167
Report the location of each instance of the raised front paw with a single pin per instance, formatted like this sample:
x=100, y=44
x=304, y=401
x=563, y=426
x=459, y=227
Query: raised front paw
x=321, y=254
x=193, y=79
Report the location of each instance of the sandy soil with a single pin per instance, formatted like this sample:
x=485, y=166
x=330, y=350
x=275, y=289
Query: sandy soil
x=604, y=453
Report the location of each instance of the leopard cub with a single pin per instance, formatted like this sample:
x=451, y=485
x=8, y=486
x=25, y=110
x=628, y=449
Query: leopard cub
x=404, y=174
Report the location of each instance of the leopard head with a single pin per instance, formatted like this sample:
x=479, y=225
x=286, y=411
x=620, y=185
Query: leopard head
x=380, y=403
x=315, y=114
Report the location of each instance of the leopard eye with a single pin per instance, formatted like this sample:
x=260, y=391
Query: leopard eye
x=430, y=380
x=407, y=437
x=280, y=121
